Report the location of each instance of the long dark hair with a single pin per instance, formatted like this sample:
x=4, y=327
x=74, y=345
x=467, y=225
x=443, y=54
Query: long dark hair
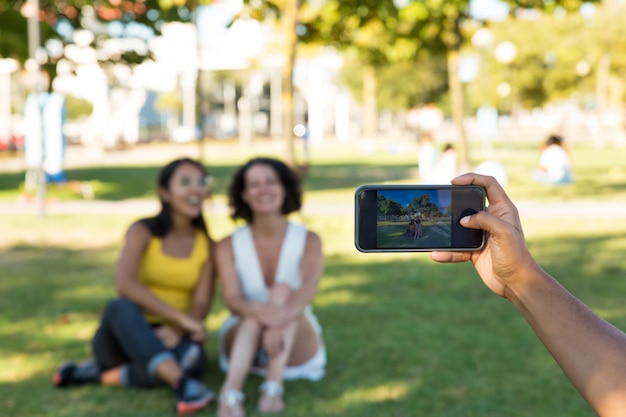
x=288, y=178
x=161, y=224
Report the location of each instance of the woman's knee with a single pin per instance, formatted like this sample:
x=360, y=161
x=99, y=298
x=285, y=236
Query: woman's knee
x=250, y=323
x=121, y=308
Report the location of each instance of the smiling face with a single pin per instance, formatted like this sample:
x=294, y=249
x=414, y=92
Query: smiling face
x=263, y=192
x=187, y=188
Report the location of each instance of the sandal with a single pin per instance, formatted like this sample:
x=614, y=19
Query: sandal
x=272, y=391
x=233, y=401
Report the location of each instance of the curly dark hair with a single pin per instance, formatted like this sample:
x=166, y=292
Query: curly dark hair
x=288, y=178
x=161, y=224
x=554, y=140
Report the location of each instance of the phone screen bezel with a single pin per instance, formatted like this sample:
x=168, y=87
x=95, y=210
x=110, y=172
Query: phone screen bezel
x=465, y=200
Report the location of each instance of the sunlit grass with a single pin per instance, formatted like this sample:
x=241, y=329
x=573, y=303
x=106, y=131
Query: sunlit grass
x=405, y=336
x=403, y=333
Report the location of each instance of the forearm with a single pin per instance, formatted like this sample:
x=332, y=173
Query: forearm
x=591, y=352
x=241, y=307
x=200, y=311
x=201, y=303
x=147, y=301
x=300, y=299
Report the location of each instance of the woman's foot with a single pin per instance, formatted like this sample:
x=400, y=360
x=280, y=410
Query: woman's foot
x=230, y=404
x=70, y=373
x=271, y=400
x=192, y=396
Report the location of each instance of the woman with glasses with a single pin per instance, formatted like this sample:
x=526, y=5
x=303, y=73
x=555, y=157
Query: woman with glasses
x=153, y=334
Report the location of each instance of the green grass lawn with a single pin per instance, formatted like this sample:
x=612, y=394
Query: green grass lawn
x=337, y=169
x=405, y=336
x=435, y=234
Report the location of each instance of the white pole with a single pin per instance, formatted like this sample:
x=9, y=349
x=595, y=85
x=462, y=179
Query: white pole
x=33, y=46
x=7, y=66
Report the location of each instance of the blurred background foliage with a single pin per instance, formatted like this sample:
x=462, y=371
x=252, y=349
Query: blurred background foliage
x=397, y=55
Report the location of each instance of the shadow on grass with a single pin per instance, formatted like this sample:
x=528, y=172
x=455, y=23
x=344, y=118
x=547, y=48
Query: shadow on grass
x=405, y=336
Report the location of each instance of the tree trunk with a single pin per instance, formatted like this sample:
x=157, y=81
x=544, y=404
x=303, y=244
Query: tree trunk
x=290, y=37
x=602, y=84
x=370, y=113
x=458, y=106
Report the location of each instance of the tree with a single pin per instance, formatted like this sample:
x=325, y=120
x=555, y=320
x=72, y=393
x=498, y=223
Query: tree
x=370, y=32
x=402, y=85
x=388, y=207
x=59, y=21
x=285, y=14
x=425, y=206
x=112, y=34
x=382, y=30
x=577, y=55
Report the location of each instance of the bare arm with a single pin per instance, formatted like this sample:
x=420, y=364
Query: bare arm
x=311, y=272
x=203, y=293
x=591, y=352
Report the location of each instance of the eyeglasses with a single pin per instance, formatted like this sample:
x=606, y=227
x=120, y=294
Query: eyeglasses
x=206, y=183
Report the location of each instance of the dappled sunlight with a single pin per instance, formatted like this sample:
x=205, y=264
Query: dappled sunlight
x=34, y=337
x=21, y=366
x=391, y=391
x=342, y=297
x=17, y=236
x=72, y=327
x=403, y=333
x=331, y=282
x=101, y=290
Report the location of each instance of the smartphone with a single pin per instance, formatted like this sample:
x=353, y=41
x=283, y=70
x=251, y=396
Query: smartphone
x=417, y=218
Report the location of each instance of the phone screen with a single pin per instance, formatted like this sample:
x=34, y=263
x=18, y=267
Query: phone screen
x=401, y=218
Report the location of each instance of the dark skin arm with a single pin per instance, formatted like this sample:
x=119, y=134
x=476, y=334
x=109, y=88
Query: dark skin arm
x=591, y=352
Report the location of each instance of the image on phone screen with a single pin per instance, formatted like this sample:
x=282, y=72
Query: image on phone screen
x=414, y=218
x=394, y=218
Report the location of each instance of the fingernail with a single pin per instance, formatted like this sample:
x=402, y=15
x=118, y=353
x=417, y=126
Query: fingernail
x=465, y=220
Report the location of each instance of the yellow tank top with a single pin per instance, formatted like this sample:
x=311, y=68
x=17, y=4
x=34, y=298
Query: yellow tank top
x=171, y=279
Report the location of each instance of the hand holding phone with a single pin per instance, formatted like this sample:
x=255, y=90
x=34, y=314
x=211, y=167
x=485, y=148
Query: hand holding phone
x=504, y=261
x=417, y=218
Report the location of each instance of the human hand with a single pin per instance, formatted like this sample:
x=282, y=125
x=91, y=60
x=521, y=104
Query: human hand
x=273, y=315
x=170, y=336
x=195, y=328
x=504, y=259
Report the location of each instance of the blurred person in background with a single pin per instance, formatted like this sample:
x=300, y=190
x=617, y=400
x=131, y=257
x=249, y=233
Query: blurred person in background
x=427, y=159
x=447, y=167
x=555, y=163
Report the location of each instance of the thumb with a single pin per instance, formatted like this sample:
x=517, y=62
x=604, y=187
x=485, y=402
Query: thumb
x=483, y=220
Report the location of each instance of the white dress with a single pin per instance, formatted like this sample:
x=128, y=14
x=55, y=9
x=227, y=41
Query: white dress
x=254, y=289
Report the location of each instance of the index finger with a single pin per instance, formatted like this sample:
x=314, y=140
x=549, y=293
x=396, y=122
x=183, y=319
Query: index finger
x=495, y=192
